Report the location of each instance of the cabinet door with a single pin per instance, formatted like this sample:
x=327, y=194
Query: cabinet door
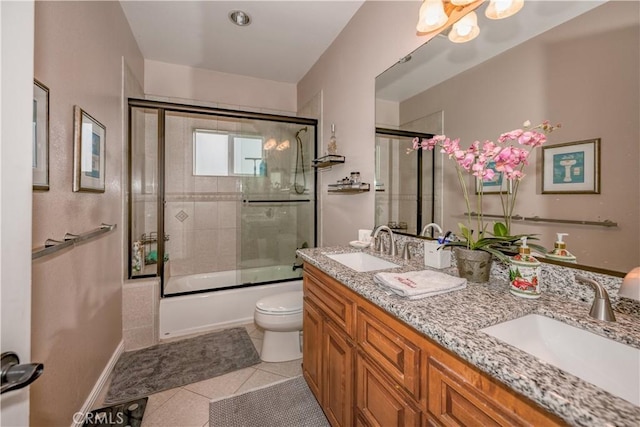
x=396, y=354
x=380, y=401
x=337, y=397
x=312, y=348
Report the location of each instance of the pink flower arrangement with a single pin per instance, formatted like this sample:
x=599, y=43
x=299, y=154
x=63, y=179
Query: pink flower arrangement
x=507, y=157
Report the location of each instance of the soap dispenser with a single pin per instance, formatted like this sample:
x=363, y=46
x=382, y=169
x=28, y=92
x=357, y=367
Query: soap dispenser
x=524, y=273
x=560, y=252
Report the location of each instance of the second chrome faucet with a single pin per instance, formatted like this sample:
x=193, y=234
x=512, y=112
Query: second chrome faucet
x=379, y=244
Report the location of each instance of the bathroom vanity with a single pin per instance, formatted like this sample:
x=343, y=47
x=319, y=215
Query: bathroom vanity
x=373, y=359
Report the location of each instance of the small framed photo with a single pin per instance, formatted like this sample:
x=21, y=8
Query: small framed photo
x=40, y=136
x=89, y=138
x=496, y=185
x=572, y=168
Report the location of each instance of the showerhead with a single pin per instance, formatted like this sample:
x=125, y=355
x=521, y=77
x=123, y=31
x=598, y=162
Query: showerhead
x=304, y=129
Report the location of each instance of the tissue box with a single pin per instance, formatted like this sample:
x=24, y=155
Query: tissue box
x=364, y=235
x=434, y=257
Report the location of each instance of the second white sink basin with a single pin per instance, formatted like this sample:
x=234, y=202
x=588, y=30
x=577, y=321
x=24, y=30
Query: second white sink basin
x=608, y=364
x=361, y=262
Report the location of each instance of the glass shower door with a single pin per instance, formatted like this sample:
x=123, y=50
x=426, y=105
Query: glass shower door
x=277, y=213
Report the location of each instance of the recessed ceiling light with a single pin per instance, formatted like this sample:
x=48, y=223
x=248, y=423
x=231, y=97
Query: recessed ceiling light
x=240, y=18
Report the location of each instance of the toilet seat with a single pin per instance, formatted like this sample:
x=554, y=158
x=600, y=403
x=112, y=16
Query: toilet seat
x=284, y=303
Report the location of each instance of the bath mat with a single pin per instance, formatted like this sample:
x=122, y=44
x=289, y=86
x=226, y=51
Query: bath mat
x=287, y=403
x=124, y=414
x=151, y=370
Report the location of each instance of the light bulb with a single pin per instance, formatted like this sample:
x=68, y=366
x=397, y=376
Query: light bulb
x=431, y=16
x=499, y=9
x=270, y=144
x=465, y=29
x=283, y=145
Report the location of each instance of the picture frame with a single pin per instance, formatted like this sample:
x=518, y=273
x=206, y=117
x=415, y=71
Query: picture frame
x=40, y=137
x=497, y=185
x=571, y=168
x=89, y=137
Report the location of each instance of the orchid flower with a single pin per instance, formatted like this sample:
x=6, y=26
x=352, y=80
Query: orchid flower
x=509, y=160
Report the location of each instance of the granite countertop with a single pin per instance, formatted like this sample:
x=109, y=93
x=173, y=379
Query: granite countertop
x=454, y=319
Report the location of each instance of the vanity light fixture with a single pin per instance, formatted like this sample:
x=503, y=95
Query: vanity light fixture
x=631, y=285
x=240, y=18
x=465, y=29
x=434, y=14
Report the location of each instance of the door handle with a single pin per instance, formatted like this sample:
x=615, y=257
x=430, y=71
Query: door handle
x=15, y=376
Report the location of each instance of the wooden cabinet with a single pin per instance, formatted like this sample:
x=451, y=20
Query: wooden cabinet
x=367, y=368
x=328, y=348
x=380, y=401
x=311, y=344
x=337, y=376
x=460, y=395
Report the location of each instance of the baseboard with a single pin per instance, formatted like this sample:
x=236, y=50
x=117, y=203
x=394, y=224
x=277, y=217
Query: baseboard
x=98, y=387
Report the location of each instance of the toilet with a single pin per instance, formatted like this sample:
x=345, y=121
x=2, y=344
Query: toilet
x=280, y=316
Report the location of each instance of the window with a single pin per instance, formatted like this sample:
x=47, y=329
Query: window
x=221, y=154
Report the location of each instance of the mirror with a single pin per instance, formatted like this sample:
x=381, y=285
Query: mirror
x=577, y=63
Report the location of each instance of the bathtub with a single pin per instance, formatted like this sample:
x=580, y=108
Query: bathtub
x=200, y=312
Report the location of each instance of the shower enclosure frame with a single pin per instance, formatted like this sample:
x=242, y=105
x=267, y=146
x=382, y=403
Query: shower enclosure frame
x=420, y=154
x=162, y=108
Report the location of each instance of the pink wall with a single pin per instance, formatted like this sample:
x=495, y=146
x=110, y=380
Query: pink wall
x=376, y=37
x=588, y=86
x=188, y=83
x=77, y=293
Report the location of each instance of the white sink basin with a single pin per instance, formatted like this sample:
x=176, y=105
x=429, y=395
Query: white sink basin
x=360, y=261
x=608, y=364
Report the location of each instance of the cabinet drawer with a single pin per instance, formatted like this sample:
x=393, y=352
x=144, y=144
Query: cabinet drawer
x=380, y=402
x=460, y=396
x=396, y=354
x=330, y=299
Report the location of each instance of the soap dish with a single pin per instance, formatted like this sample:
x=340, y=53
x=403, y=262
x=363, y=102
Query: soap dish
x=359, y=244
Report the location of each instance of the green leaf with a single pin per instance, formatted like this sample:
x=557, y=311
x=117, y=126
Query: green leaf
x=499, y=229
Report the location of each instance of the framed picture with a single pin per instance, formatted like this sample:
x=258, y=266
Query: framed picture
x=40, y=136
x=573, y=167
x=497, y=185
x=89, y=138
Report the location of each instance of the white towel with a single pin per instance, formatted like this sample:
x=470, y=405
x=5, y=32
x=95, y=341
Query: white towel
x=419, y=284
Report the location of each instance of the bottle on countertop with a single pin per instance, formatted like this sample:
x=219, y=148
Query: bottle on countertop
x=560, y=252
x=524, y=273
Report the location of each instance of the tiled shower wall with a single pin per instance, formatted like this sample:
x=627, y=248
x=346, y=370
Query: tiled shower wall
x=202, y=212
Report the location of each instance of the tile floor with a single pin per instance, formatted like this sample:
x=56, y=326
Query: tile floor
x=188, y=405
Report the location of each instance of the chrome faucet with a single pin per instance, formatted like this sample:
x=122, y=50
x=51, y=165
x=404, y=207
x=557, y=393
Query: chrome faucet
x=432, y=225
x=379, y=244
x=601, y=307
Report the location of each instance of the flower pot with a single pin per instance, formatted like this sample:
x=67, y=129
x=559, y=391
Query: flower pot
x=473, y=265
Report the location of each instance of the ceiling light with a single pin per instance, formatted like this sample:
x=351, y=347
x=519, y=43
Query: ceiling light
x=461, y=2
x=431, y=16
x=465, y=29
x=499, y=9
x=240, y=18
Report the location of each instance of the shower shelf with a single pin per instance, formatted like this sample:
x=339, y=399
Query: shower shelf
x=327, y=161
x=349, y=188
